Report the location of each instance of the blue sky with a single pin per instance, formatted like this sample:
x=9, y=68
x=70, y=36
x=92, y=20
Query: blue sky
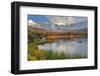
x=66, y=21
x=38, y=18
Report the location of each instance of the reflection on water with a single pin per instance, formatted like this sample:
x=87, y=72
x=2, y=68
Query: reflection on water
x=71, y=47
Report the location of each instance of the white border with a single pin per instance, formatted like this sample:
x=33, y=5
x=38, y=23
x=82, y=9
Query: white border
x=26, y=65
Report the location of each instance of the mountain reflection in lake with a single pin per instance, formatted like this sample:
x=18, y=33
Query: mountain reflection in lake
x=69, y=47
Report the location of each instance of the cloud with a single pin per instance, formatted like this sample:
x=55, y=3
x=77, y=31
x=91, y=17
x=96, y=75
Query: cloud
x=59, y=20
x=70, y=20
x=56, y=20
x=31, y=22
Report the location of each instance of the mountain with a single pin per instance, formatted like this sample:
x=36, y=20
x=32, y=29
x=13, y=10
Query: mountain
x=78, y=27
x=83, y=30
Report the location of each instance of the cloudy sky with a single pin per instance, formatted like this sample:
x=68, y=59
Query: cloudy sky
x=66, y=21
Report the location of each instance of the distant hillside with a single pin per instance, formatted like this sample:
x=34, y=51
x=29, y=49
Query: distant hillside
x=54, y=34
x=83, y=30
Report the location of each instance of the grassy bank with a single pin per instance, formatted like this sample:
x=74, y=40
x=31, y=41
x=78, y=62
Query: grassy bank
x=35, y=54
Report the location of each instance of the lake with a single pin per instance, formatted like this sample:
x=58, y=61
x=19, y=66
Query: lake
x=74, y=47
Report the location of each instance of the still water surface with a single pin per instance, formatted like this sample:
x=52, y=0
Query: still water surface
x=68, y=47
